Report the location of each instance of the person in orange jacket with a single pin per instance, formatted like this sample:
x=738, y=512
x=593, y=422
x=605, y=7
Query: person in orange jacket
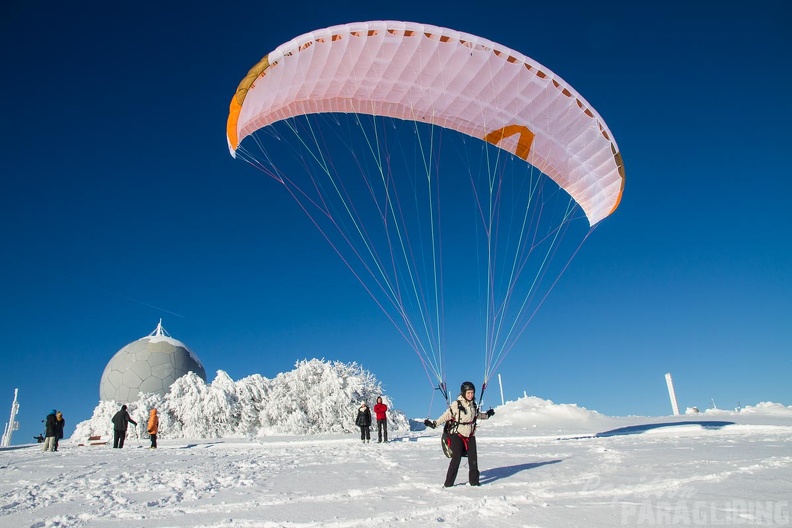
x=153, y=427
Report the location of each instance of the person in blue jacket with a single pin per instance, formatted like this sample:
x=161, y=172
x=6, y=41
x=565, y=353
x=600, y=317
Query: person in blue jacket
x=60, y=425
x=50, y=431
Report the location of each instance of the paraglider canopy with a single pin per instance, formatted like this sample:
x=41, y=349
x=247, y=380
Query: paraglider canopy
x=389, y=85
x=444, y=77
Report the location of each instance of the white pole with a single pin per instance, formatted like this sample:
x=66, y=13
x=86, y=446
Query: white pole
x=672, y=394
x=12, y=424
x=500, y=382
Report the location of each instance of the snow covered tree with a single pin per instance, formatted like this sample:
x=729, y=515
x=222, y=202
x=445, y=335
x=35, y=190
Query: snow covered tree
x=318, y=396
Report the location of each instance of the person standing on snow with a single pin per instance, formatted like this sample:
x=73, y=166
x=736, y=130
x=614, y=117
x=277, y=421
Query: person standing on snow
x=153, y=427
x=120, y=421
x=363, y=421
x=50, y=431
x=60, y=425
x=382, y=420
x=464, y=414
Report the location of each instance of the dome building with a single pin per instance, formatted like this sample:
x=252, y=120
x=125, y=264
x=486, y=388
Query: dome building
x=149, y=365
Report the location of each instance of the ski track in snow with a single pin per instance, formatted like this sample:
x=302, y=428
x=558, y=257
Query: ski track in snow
x=338, y=482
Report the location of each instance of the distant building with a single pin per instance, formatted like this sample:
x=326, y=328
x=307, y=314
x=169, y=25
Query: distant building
x=149, y=365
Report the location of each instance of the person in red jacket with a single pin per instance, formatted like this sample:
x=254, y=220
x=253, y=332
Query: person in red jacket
x=382, y=420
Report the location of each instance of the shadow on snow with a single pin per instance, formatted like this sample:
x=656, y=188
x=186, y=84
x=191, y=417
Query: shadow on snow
x=491, y=475
x=638, y=429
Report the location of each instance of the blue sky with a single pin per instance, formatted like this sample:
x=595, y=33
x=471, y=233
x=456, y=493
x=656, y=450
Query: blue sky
x=120, y=205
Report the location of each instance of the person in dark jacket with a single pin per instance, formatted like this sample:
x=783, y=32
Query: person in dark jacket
x=382, y=420
x=60, y=425
x=363, y=421
x=50, y=431
x=120, y=421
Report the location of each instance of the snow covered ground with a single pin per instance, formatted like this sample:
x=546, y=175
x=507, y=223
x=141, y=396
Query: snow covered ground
x=542, y=465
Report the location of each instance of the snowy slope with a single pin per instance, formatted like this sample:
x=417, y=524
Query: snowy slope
x=542, y=465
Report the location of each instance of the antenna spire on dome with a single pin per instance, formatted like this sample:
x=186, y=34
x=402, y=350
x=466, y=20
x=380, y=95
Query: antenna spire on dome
x=159, y=331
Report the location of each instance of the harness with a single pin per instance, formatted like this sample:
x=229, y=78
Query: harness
x=452, y=426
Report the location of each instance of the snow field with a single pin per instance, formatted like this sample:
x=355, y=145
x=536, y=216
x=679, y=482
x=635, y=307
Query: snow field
x=736, y=474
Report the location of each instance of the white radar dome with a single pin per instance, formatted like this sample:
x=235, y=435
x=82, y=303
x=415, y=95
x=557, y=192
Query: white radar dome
x=149, y=365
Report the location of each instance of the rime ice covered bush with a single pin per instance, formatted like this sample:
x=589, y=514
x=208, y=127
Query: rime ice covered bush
x=318, y=396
